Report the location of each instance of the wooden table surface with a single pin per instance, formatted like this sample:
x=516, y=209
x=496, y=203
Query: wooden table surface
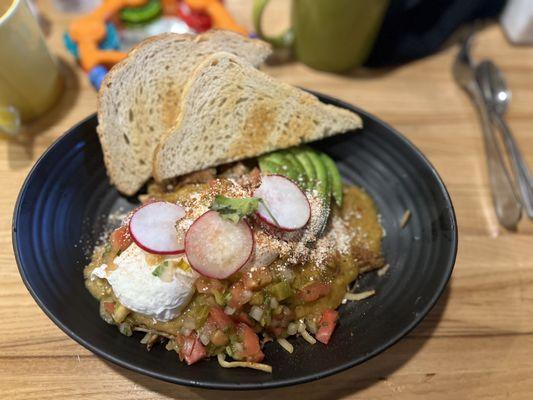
x=476, y=343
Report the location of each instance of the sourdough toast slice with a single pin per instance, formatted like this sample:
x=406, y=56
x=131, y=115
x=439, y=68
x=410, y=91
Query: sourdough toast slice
x=231, y=111
x=139, y=99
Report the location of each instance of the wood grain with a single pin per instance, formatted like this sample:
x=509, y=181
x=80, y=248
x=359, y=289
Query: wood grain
x=477, y=343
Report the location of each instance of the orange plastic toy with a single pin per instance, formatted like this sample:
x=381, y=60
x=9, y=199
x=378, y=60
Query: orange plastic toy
x=220, y=16
x=170, y=7
x=89, y=30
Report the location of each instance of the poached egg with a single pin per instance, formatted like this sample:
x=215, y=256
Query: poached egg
x=140, y=289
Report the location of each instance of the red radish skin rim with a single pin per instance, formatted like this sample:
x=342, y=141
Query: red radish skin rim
x=252, y=248
x=138, y=243
x=280, y=227
x=151, y=251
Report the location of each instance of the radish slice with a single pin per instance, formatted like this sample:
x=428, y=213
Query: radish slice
x=217, y=248
x=152, y=227
x=285, y=201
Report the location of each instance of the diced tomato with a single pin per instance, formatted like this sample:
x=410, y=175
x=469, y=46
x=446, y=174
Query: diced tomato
x=326, y=326
x=250, y=341
x=120, y=239
x=314, y=291
x=109, y=306
x=257, y=279
x=239, y=295
x=198, y=353
x=221, y=320
x=191, y=349
x=242, y=317
x=187, y=345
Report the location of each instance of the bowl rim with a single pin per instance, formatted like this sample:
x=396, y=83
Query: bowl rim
x=260, y=385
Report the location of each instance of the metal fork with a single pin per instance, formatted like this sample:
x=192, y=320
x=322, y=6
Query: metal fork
x=497, y=97
x=506, y=203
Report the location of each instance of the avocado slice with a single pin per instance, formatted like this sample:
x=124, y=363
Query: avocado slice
x=275, y=163
x=302, y=156
x=276, y=157
x=268, y=167
x=320, y=174
x=298, y=167
x=312, y=170
x=334, y=177
x=322, y=185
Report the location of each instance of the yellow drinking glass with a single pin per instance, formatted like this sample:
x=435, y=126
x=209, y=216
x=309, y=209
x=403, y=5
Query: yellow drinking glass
x=30, y=81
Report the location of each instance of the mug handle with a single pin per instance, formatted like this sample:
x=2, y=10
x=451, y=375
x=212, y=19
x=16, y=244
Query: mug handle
x=9, y=120
x=284, y=40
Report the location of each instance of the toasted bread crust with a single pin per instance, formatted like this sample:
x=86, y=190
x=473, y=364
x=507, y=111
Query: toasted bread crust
x=128, y=143
x=231, y=111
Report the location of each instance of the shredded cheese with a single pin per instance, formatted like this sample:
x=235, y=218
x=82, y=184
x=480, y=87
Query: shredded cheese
x=359, y=296
x=405, y=218
x=306, y=335
x=286, y=345
x=383, y=270
x=151, y=331
x=242, y=364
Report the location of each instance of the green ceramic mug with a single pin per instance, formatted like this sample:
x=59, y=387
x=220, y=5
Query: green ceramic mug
x=330, y=35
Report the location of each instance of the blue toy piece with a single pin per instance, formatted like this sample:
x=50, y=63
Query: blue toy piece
x=97, y=75
x=111, y=41
x=70, y=45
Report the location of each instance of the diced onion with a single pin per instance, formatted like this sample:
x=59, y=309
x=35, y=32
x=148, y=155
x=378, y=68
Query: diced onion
x=120, y=313
x=189, y=323
x=292, y=329
x=286, y=345
x=125, y=329
x=229, y=310
x=246, y=295
x=171, y=345
x=273, y=303
x=242, y=364
x=107, y=317
x=286, y=274
x=238, y=347
x=256, y=313
x=204, y=339
x=186, y=331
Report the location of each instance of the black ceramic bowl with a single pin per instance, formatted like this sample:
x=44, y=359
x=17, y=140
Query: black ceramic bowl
x=62, y=210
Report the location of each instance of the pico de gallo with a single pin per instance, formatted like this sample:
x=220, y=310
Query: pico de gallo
x=221, y=262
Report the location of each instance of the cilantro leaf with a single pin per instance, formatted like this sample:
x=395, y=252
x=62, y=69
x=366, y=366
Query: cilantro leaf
x=158, y=271
x=234, y=210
